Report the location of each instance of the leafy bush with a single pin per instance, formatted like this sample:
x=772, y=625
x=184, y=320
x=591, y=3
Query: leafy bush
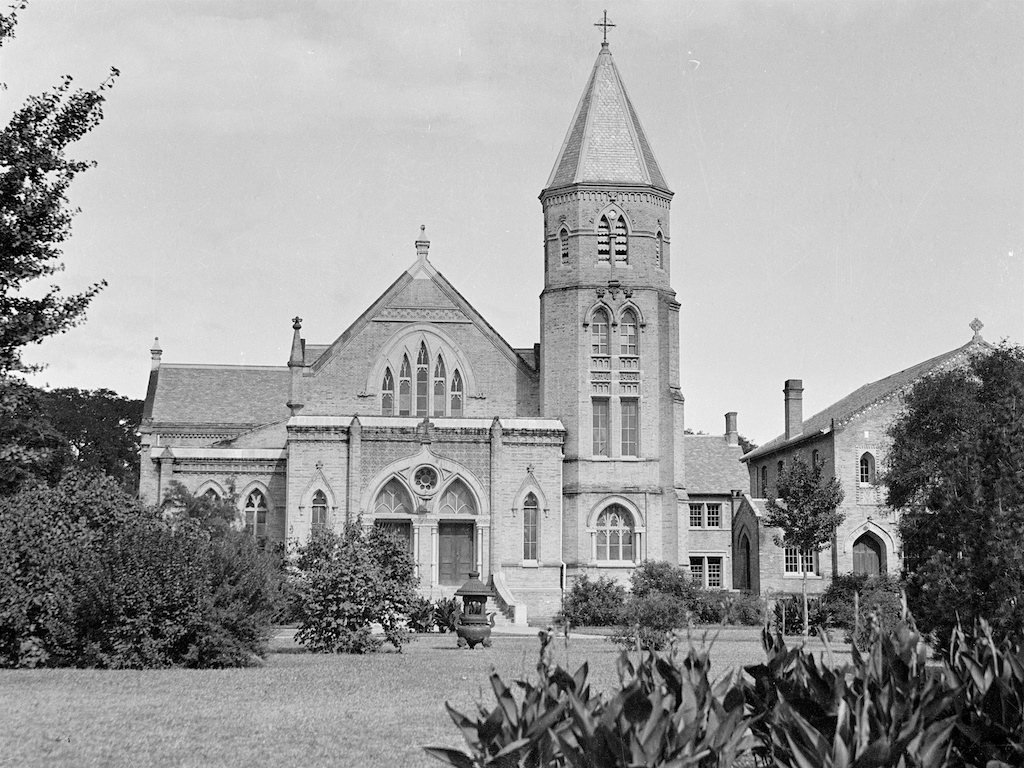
x=886, y=709
x=880, y=595
x=789, y=615
x=598, y=603
x=88, y=577
x=661, y=576
x=421, y=614
x=447, y=614
x=651, y=619
x=745, y=609
x=349, y=582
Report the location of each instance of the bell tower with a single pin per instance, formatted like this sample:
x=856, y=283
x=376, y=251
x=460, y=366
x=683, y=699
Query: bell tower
x=609, y=318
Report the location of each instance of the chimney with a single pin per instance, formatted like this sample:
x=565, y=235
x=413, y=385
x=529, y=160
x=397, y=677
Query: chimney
x=732, y=435
x=794, y=392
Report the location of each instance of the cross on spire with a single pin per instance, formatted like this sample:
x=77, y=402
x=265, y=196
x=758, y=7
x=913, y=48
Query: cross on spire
x=604, y=23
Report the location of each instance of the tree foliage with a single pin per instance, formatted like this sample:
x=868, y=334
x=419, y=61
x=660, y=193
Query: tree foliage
x=806, y=507
x=956, y=470
x=90, y=577
x=349, y=581
x=35, y=213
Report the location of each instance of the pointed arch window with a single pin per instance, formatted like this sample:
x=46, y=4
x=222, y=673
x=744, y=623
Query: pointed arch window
x=621, y=241
x=440, y=383
x=764, y=482
x=319, y=511
x=456, y=392
x=405, y=388
x=604, y=232
x=387, y=394
x=393, y=499
x=457, y=500
x=628, y=339
x=661, y=251
x=867, y=469
x=530, y=509
x=256, y=515
x=615, y=534
x=599, y=333
x=422, y=378
x=563, y=243
x=211, y=495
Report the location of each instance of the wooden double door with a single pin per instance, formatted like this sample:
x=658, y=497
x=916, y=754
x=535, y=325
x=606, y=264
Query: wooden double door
x=456, y=552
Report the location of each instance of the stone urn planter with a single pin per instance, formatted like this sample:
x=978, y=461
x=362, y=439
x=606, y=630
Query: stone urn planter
x=474, y=626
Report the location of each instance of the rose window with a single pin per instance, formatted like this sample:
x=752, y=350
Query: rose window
x=425, y=479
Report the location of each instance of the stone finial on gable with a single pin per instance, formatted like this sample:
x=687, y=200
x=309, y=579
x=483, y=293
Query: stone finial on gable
x=976, y=326
x=422, y=245
x=155, y=353
x=297, y=356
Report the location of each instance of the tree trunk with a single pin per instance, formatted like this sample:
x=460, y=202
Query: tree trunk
x=804, y=585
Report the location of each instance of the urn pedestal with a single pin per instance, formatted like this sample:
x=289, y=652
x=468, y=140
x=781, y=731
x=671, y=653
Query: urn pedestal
x=474, y=626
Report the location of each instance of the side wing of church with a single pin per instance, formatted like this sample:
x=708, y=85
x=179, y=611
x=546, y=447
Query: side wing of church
x=531, y=466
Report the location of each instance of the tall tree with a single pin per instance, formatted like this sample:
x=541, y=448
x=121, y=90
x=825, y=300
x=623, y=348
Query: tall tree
x=35, y=214
x=99, y=430
x=806, y=510
x=956, y=472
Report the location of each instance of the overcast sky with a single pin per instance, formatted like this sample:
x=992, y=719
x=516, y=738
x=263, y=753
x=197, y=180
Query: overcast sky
x=848, y=177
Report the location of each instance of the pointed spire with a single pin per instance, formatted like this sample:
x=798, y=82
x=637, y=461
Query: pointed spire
x=155, y=354
x=606, y=142
x=297, y=356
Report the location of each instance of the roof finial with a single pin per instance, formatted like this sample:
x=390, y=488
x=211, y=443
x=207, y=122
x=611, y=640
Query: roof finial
x=604, y=23
x=296, y=322
x=976, y=326
x=155, y=352
x=422, y=245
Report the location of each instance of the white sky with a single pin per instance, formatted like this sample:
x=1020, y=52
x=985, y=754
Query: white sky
x=849, y=177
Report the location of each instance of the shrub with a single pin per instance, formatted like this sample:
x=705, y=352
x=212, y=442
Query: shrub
x=447, y=614
x=651, y=619
x=745, y=609
x=660, y=576
x=880, y=595
x=598, y=603
x=422, y=617
x=88, y=577
x=349, y=582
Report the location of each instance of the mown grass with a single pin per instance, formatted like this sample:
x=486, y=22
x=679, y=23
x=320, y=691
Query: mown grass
x=298, y=710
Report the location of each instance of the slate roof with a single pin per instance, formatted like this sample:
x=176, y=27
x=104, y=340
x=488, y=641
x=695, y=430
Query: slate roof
x=712, y=465
x=218, y=394
x=606, y=142
x=842, y=412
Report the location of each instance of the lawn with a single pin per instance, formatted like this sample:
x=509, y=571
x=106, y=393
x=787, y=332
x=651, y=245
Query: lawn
x=299, y=709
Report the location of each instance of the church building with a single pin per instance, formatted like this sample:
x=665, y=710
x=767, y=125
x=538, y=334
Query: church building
x=532, y=466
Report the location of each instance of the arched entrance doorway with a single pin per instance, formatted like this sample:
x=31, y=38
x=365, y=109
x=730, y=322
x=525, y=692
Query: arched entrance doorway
x=868, y=555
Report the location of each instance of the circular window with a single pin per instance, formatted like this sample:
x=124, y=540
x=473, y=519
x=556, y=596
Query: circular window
x=425, y=479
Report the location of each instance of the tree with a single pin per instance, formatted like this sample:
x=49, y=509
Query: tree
x=99, y=429
x=956, y=472
x=35, y=214
x=807, y=511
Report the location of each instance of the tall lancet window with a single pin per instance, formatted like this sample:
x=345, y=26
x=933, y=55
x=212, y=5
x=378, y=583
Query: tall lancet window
x=599, y=333
x=456, y=394
x=661, y=251
x=439, y=387
x=627, y=334
x=621, y=241
x=422, y=379
x=604, y=231
x=387, y=394
x=530, y=508
x=563, y=239
x=405, y=388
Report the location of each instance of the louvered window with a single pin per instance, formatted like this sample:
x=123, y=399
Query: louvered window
x=621, y=241
x=603, y=239
x=563, y=240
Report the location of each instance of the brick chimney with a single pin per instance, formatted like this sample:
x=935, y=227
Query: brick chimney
x=794, y=392
x=732, y=435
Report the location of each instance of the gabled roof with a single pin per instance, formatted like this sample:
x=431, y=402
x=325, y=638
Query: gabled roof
x=230, y=395
x=841, y=413
x=421, y=292
x=606, y=142
x=712, y=465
